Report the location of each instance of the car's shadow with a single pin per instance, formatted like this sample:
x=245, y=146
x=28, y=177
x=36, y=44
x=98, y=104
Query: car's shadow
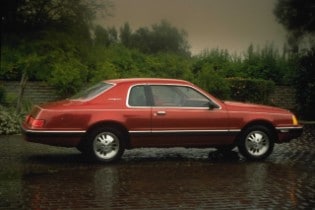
x=224, y=156
x=68, y=159
x=212, y=157
x=58, y=158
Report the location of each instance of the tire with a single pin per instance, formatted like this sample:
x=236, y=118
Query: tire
x=256, y=143
x=106, y=144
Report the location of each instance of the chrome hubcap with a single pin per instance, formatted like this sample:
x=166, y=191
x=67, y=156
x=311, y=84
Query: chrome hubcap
x=257, y=143
x=106, y=145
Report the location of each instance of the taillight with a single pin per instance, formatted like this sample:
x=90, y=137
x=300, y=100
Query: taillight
x=35, y=123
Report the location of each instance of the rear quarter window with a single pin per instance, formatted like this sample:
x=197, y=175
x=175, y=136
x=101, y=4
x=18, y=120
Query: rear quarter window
x=137, y=96
x=92, y=91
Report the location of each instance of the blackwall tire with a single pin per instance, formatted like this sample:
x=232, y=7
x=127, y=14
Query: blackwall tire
x=106, y=144
x=256, y=143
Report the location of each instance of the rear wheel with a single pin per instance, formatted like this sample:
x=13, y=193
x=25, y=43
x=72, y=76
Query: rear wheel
x=106, y=144
x=256, y=142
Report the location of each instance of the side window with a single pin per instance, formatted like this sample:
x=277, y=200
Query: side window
x=193, y=98
x=178, y=96
x=137, y=96
x=165, y=95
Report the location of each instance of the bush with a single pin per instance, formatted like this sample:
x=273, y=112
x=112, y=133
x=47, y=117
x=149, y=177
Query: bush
x=251, y=90
x=68, y=77
x=212, y=82
x=9, y=121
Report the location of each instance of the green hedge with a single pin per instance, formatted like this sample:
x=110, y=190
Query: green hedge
x=9, y=121
x=251, y=90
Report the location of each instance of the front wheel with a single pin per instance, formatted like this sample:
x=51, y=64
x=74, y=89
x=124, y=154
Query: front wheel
x=256, y=143
x=106, y=144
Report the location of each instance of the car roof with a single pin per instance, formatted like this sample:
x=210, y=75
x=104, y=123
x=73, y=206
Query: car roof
x=148, y=81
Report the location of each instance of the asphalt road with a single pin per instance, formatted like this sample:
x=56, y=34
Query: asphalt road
x=34, y=176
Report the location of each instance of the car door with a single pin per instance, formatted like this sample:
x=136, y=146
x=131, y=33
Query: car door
x=182, y=116
x=138, y=115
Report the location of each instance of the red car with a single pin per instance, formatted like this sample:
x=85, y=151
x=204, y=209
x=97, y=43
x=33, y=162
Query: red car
x=121, y=114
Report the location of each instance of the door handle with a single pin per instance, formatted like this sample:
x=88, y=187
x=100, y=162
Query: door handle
x=161, y=113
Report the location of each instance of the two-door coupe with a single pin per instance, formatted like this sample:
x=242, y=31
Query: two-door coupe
x=115, y=115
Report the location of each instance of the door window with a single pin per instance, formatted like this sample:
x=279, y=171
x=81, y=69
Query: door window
x=178, y=96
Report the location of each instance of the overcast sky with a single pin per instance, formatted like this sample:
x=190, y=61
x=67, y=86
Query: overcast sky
x=224, y=24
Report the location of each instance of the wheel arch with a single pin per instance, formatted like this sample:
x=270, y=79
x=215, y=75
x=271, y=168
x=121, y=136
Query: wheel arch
x=110, y=124
x=264, y=123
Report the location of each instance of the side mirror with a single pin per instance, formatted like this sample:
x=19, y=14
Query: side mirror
x=212, y=105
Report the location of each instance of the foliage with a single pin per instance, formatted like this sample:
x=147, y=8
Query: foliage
x=9, y=121
x=21, y=59
x=220, y=60
x=126, y=35
x=28, y=45
x=55, y=41
x=105, y=37
x=161, y=37
x=169, y=65
x=298, y=17
x=117, y=61
x=67, y=77
x=265, y=63
x=211, y=81
x=35, y=15
x=251, y=90
x=305, y=85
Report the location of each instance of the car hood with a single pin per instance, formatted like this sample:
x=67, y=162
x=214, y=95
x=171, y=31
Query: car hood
x=238, y=106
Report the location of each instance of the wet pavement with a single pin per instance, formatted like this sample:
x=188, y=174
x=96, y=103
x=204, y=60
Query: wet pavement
x=34, y=176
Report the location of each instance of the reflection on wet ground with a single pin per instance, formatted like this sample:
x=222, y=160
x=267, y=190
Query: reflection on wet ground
x=41, y=177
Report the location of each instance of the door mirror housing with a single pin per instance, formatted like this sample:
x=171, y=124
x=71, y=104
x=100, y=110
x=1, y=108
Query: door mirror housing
x=212, y=105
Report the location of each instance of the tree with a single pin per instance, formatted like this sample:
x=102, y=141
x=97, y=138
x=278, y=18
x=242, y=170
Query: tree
x=305, y=85
x=161, y=37
x=27, y=36
x=125, y=35
x=167, y=38
x=263, y=63
x=211, y=81
x=34, y=15
x=218, y=59
x=298, y=17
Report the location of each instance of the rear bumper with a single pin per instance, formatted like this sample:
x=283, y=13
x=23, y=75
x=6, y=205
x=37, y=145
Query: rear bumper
x=286, y=134
x=53, y=137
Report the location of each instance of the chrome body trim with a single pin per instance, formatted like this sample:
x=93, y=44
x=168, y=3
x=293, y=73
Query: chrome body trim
x=287, y=129
x=54, y=131
x=185, y=131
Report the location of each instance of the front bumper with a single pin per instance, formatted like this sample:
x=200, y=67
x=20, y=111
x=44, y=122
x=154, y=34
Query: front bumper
x=286, y=134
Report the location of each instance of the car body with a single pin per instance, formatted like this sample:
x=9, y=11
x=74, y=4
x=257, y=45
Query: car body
x=120, y=114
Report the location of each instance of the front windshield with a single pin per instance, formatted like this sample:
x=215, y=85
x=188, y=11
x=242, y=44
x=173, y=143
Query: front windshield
x=92, y=91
